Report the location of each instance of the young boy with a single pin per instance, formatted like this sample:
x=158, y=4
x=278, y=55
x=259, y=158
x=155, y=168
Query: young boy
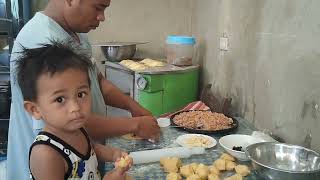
x=55, y=85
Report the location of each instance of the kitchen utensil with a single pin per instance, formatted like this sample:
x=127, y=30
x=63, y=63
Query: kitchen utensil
x=284, y=161
x=140, y=157
x=234, y=126
x=182, y=140
x=229, y=141
x=117, y=51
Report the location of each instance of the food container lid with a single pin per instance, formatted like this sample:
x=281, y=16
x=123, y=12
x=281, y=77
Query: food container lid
x=188, y=40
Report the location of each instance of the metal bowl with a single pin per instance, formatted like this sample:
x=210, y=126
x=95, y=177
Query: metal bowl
x=283, y=161
x=117, y=51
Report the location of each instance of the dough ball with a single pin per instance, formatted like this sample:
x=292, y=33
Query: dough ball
x=194, y=166
x=193, y=177
x=173, y=176
x=234, y=177
x=213, y=170
x=213, y=177
x=220, y=164
x=243, y=170
x=170, y=164
x=226, y=156
x=230, y=165
x=124, y=161
x=203, y=171
x=186, y=170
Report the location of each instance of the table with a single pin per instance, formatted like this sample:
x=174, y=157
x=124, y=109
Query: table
x=154, y=171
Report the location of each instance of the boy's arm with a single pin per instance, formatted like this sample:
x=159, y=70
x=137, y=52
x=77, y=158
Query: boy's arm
x=46, y=163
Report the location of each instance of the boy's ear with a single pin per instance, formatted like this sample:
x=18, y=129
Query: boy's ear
x=32, y=109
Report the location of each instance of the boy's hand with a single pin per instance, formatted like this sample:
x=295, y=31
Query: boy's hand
x=115, y=174
x=117, y=154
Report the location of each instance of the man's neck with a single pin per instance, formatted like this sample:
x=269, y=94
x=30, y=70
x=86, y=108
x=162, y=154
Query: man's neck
x=55, y=12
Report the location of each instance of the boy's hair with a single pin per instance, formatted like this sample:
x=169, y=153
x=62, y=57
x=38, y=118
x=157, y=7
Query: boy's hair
x=49, y=58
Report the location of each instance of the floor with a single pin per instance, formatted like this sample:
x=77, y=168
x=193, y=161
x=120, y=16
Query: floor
x=3, y=169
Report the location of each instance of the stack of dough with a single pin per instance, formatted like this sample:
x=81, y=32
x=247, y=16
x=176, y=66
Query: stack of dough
x=152, y=63
x=195, y=171
x=135, y=66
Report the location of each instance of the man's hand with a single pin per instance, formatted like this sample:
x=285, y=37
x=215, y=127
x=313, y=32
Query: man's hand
x=147, y=127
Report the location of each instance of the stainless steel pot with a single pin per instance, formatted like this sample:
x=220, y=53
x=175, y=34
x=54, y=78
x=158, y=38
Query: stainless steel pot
x=117, y=51
x=284, y=161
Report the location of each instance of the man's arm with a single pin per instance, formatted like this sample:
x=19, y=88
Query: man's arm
x=100, y=127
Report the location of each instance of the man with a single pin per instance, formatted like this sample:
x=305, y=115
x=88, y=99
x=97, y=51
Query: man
x=67, y=20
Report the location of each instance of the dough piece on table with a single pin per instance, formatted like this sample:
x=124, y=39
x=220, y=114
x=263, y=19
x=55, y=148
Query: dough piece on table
x=131, y=137
x=230, y=165
x=173, y=176
x=228, y=157
x=234, y=177
x=124, y=162
x=213, y=177
x=170, y=164
x=213, y=170
x=194, y=166
x=220, y=164
x=203, y=171
x=193, y=177
x=186, y=170
x=243, y=170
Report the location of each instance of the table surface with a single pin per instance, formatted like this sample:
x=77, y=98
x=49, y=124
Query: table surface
x=169, y=135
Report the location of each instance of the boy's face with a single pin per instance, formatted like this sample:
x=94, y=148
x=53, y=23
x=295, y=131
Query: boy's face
x=63, y=100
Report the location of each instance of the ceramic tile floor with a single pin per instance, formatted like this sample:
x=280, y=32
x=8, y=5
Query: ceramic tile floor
x=3, y=170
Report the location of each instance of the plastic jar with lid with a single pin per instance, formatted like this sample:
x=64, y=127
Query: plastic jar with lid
x=179, y=50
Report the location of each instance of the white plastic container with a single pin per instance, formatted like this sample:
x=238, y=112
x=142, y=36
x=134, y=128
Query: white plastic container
x=179, y=50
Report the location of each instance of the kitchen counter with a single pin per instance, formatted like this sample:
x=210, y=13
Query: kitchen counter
x=169, y=134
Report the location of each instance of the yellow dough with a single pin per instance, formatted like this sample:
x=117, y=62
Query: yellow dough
x=220, y=164
x=230, y=165
x=234, y=177
x=214, y=170
x=203, y=171
x=186, y=170
x=170, y=164
x=213, y=177
x=243, y=170
x=194, y=166
x=124, y=161
x=135, y=66
x=173, y=176
x=226, y=156
x=131, y=137
x=193, y=177
x=153, y=63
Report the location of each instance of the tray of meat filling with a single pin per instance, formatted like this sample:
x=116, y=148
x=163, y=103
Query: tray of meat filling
x=203, y=122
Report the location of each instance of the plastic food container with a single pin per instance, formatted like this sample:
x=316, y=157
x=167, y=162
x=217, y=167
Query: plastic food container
x=179, y=50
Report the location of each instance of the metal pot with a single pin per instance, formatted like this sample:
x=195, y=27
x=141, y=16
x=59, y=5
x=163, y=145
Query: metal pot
x=284, y=161
x=117, y=51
